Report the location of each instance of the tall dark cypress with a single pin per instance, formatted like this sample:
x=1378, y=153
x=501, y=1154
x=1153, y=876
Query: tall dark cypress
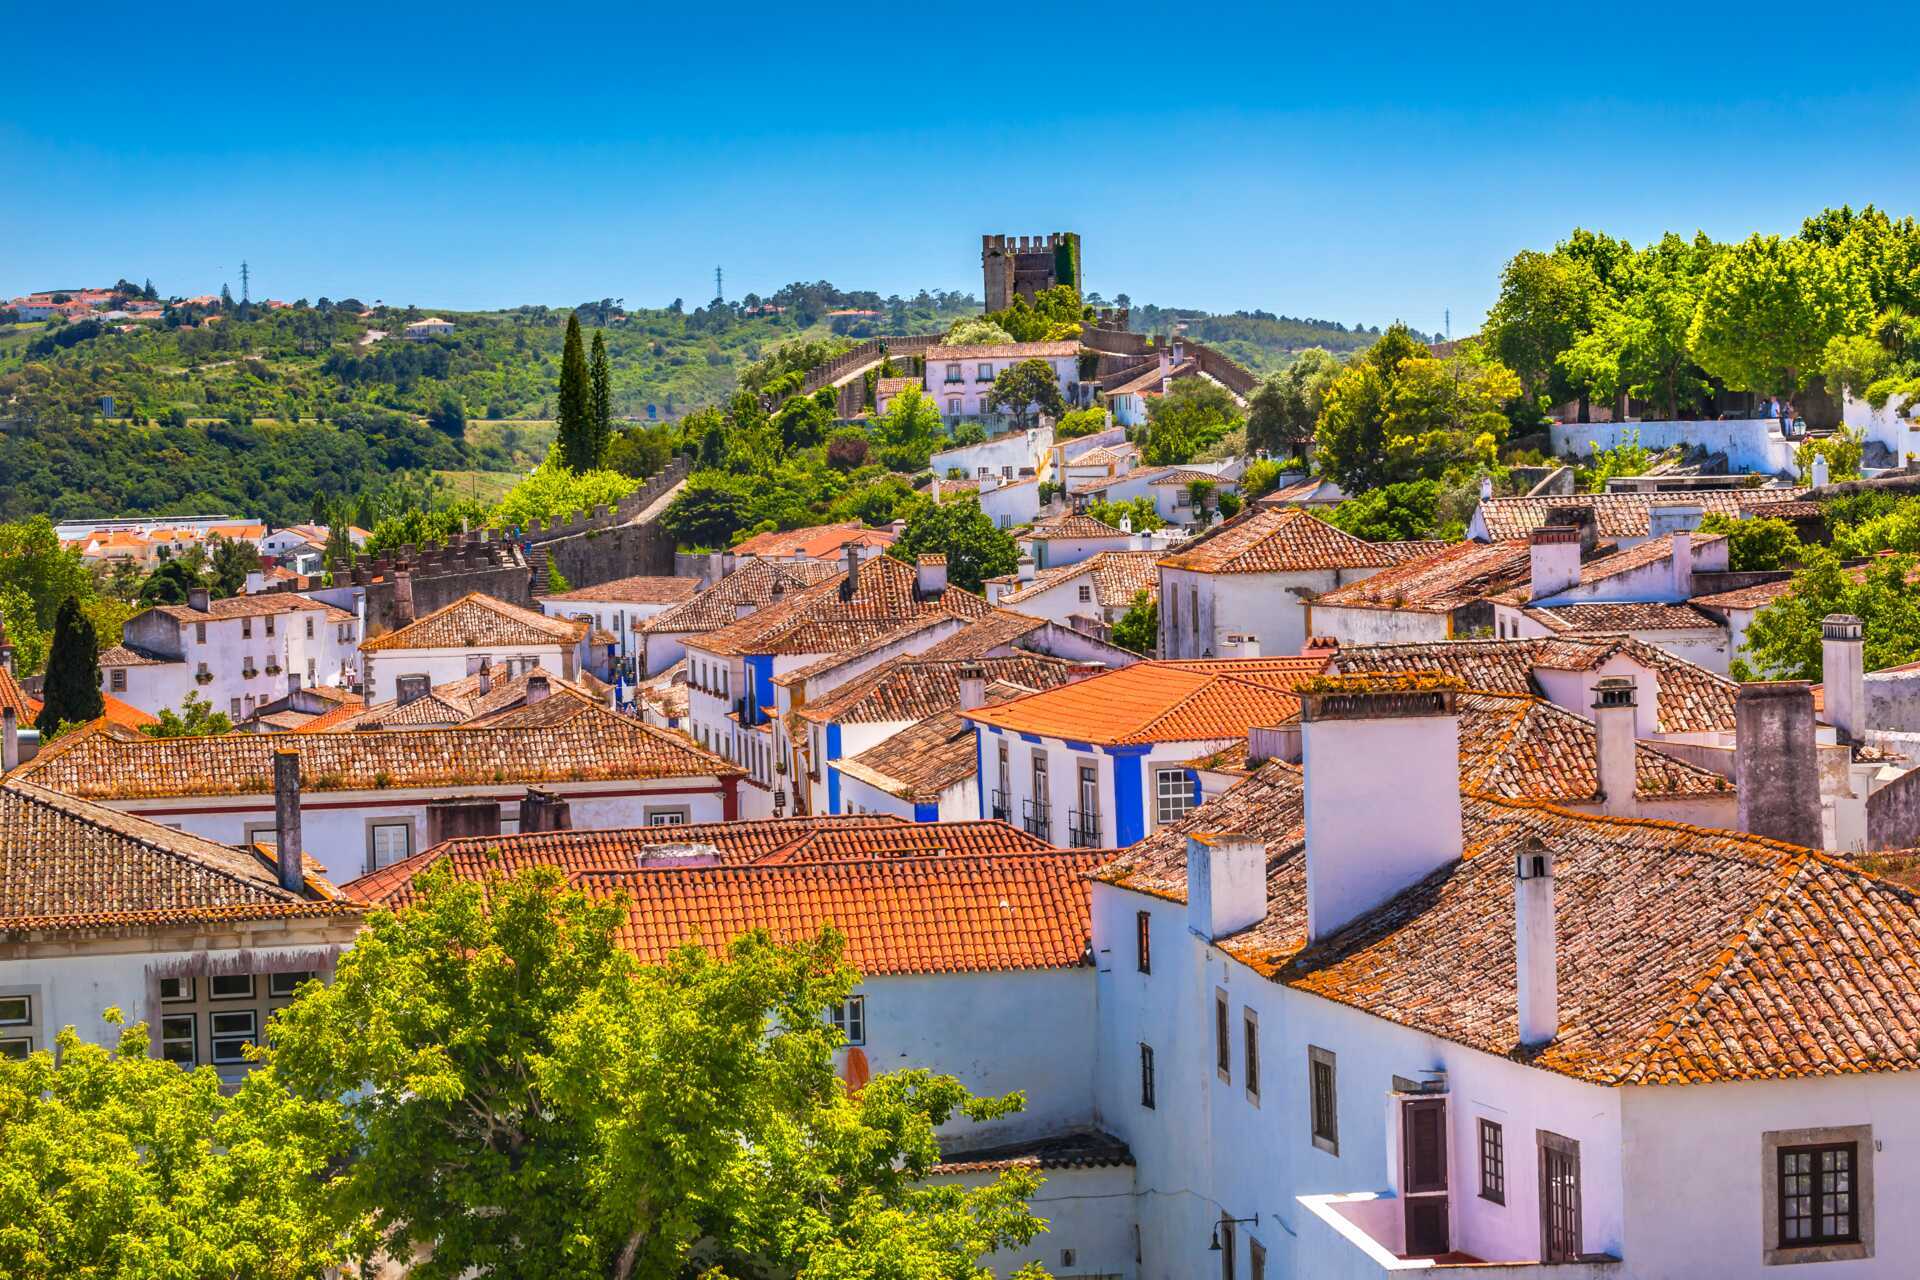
x=602, y=377
x=576, y=402
x=72, y=690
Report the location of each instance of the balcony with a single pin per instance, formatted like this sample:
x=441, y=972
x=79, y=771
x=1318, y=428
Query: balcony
x=1001, y=807
x=1083, y=828
x=1037, y=819
x=1359, y=1233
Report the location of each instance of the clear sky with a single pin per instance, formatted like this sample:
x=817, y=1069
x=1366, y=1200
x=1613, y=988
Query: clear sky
x=1353, y=162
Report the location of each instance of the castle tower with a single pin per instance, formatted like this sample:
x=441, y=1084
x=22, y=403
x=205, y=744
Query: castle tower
x=1021, y=266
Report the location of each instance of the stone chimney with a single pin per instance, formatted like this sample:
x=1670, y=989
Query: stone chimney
x=1614, y=714
x=538, y=688
x=1555, y=551
x=1382, y=770
x=198, y=599
x=851, y=587
x=1226, y=884
x=403, y=598
x=9, y=740
x=1776, y=771
x=1843, y=676
x=1536, y=945
x=930, y=574
x=973, y=687
x=544, y=811
x=288, y=842
x=486, y=676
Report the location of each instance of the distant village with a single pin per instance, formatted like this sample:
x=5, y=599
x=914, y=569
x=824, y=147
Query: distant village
x=1435, y=904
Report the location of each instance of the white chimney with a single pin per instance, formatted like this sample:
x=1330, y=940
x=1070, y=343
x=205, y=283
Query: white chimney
x=486, y=677
x=1126, y=524
x=1682, y=562
x=1275, y=742
x=1486, y=487
x=9, y=740
x=1382, y=769
x=1615, y=746
x=931, y=572
x=288, y=844
x=936, y=490
x=1236, y=644
x=538, y=688
x=1843, y=675
x=1671, y=517
x=1555, y=550
x=1535, y=945
x=1820, y=471
x=1026, y=568
x=973, y=687
x=1226, y=884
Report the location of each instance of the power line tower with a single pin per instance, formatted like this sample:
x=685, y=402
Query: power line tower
x=1449, y=314
x=718, y=293
x=245, y=277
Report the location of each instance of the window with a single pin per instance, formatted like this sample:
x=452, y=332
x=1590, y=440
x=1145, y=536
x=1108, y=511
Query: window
x=984, y=373
x=246, y=628
x=1173, y=791
x=1193, y=612
x=954, y=375
x=309, y=628
x=1559, y=1197
x=849, y=1018
x=1143, y=941
x=310, y=675
x=1222, y=1038
x=281, y=986
x=117, y=680
x=408, y=688
x=16, y=1011
x=1817, y=1198
x=176, y=989
x=233, y=708
x=667, y=817
x=179, y=1039
x=1146, y=1076
x=230, y=986
x=1250, y=1053
x=1493, y=1162
x=1323, y=1099
x=199, y=633
x=269, y=624
x=953, y=407
x=388, y=843
x=1086, y=593
x=230, y=1032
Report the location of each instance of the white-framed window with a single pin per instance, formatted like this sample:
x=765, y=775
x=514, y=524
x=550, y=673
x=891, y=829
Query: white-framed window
x=16, y=1011
x=246, y=628
x=849, y=1018
x=954, y=375
x=269, y=624
x=984, y=373
x=117, y=680
x=388, y=843
x=175, y=990
x=17, y=1025
x=233, y=708
x=953, y=407
x=230, y=986
x=1173, y=794
x=180, y=1038
x=281, y=986
x=230, y=1031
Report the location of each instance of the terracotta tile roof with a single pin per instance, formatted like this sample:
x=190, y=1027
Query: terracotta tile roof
x=1150, y=378
x=915, y=687
x=893, y=386
x=1691, y=699
x=1101, y=455
x=666, y=692
x=1688, y=955
x=120, y=655
x=476, y=620
x=67, y=864
x=259, y=606
x=766, y=841
x=1623, y=617
x=12, y=695
x=1116, y=577
x=1073, y=524
x=1785, y=509
x=1652, y=551
x=1618, y=515
x=921, y=761
x=1524, y=748
x=820, y=542
x=1758, y=596
x=453, y=703
x=125, y=714
x=1004, y=350
x=1300, y=491
x=1159, y=702
x=640, y=589
x=1288, y=540
x=1457, y=575
x=1084, y=1149
x=593, y=746
x=899, y=916
x=1100, y=484
x=997, y=629
x=1192, y=475
x=825, y=619
x=755, y=583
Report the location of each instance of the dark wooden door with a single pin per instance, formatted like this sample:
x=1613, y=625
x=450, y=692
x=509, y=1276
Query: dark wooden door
x=1423, y=1125
x=1559, y=1198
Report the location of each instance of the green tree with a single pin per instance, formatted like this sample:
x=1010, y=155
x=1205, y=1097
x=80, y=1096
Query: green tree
x=228, y=567
x=1628, y=458
x=555, y=490
x=1844, y=451
x=72, y=689
x=1767, y=309
x=1194, y=413
x=1783, y=640
x=1080, y=422
x=1392, y=513
x=908, y=432
x=195, y=719
x=1760, y=543
x=1202, y=497
x=576, y=429
x=1546, y=302
x=600, y=374
x=975, y=549
x=978, y=331
x=32, y=559
x=1637, y=345
x=1027, y=388
x=449, y=416
x=118, y=1163
x=1140, y=513
x=532, y=1103
x=1853, y=362
x=169, y=583
x=1284, y=408
x=707, y=512
x=1398, y=414
x=1139, y=627
x=1261, y=478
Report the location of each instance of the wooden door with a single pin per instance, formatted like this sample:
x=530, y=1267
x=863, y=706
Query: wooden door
x=1559, y=1198
x=1423, y=1146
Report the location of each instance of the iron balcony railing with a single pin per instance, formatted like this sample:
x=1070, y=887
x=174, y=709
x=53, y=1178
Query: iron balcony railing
x=1001, y=809
x=1037, y=819
x=1083, y=828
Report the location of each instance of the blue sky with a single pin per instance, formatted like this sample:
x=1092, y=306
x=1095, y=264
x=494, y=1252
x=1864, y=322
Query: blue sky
x=1358, y=163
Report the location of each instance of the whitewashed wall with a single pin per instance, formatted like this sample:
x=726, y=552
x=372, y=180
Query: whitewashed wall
x=1751, y=444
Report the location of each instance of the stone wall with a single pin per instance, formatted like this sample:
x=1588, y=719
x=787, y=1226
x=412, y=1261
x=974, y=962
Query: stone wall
x=603, y=555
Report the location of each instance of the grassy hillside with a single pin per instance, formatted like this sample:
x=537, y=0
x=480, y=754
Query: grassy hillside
x=1259, y=340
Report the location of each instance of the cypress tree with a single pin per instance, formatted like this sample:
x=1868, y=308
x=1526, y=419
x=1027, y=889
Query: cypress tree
x=602, y=377
x=576, y=402
x=72, y=690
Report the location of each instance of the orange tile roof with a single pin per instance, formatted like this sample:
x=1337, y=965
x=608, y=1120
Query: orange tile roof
x=456, y=702
x=67, y=864
x=828, y=619
x=769, y=841
x=921, y=761
x=1288, y=540
x=594, y=745
x=12, y=695
x=1013, y=350
x=754, y=584
x=915, y=687
x=640, y=589
x=1159, y=702
x=1687, y=955
x=820, y=542
x=1757, y=596
x=1115, y=576
x=255, y=606
x=1457, y=575
x=1611, y=617
x=1618, y=515
x=476, y=620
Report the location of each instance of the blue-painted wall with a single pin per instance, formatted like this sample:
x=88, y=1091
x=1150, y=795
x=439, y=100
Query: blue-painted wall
x=761, y=696
x=1129, y=794
x=833, y=772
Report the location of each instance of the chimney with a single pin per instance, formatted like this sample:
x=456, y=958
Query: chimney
x=852, y=587
x=931, y=575
x=1673, y=517
x=544, y=811
x=716, y=566
x=1535, y=945
x=1226, y=884
x=1126, y=524
x=197, y=599
x=973, y=687
x=1026, y=568
x=289, y=846
x=9, y=740
x=1486, y=487
x=537, y=688
x=486, y=677
x=1278, y=742
x=403, y=597
x=1843, y=676
x=1776, y=772
x=1820, y=471
x=1682, y=562
x=1382, y=770
x=1555, y=550
x=936, y=490
x=1615, y=746
x=1239, y=645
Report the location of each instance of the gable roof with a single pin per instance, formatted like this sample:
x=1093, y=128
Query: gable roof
x=830, y=618
x=254, y=606
x=1072, y=524
x=755, y=583
x=915, y=687
x=823, y=541
x=476, y=620
x=593, y=745
x=1613, y=617
x=639, y=589
x=1115, y=576
x=67, y=864
x=1287, y=540
x=454, y=702
x=998, y=628
x=1157, y=701
x=1457, y=575
x=923, y=760
x=1619, y=515
x=1006, y=350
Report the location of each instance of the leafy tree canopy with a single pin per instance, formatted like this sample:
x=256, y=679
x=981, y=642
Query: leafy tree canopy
x=1783, y=640
x=1025, y=388
x=1398, y=414
x=1139, y=627
x=1755, y=544
x=975, y=548
x=1193, y=414
x=195, y=719
x=1283, y=409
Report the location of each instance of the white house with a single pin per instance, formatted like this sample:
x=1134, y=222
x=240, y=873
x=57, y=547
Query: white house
x=618, y=608
x=1009, y=455
x=1254, y=576
x=431, y=327
x=1102, y=587
x=296, y=539
x=197, y=939
x=1442, y=596
x=960, y=378
x=372, y=798
x=1067, y=539
x=754, y=585
x=235, y=653
x=457, y=640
